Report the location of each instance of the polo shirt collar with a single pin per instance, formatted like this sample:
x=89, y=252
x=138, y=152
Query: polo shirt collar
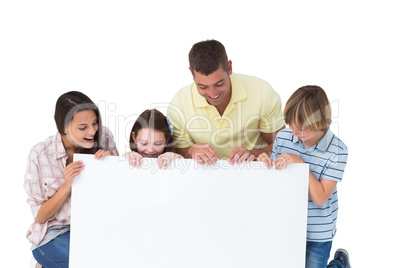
x=238, y=93
x=323, y=144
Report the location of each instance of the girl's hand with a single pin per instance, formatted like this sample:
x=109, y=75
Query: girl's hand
x=71, y=171
x=264, y=157
x=134, y=158
x=284, y=159
x=164, y=159
x=100, y=154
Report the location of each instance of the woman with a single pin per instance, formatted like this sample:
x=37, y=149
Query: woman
x=51, y=171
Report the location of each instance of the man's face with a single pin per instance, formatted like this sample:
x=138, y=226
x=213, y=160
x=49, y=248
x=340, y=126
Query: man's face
x=215, y=87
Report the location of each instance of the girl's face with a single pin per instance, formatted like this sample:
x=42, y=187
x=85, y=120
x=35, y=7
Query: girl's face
x=82, y=129
x=150, y=142
x=307, y=136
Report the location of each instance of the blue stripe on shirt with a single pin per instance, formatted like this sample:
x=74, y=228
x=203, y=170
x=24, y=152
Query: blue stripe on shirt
x=329, y=164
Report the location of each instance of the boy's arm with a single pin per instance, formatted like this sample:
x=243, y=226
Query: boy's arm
x=319, y=191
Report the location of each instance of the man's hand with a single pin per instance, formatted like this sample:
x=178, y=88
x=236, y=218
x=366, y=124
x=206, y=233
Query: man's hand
x=203, y=153
x=264, y=157
x=240, y=154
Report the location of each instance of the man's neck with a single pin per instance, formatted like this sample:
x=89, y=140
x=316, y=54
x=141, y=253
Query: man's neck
x=222, y=106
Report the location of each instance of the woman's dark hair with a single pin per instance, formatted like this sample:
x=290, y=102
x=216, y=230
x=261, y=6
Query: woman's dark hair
x=67, y=106
x=152, y=119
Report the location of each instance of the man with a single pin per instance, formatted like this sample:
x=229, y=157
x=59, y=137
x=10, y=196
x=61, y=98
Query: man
x=223, y=115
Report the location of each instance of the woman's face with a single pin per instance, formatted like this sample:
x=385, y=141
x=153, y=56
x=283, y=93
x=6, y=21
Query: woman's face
x=150, y=142
x=82, y=129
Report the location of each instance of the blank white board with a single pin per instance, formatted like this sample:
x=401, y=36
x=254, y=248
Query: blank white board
x=188, y=215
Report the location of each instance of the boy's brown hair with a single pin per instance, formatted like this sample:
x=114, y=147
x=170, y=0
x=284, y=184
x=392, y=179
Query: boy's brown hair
x=206, y=57
x=308, y=107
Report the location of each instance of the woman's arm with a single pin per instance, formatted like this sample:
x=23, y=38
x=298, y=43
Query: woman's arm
x=50, y=207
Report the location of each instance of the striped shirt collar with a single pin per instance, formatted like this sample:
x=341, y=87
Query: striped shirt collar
x=322, y=145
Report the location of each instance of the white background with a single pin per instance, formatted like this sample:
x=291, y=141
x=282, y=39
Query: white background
x=127, y=55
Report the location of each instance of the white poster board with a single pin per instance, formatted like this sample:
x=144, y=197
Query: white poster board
x=188, y=215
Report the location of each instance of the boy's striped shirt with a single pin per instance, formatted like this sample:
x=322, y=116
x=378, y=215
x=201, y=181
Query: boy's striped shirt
x=327, y=159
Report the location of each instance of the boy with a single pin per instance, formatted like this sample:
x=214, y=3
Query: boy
x=309, y=140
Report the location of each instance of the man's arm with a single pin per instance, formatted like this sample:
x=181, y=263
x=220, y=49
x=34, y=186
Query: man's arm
x=269, y=139
x=240, y=154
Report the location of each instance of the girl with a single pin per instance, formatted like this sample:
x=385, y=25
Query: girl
x=51, y=171
x=151, y=136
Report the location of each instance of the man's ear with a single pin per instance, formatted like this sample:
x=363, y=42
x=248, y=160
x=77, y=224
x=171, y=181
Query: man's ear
x=229, y=67
x=191, y=72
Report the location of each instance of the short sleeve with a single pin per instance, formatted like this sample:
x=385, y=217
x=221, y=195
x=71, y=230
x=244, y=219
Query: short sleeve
x=336, y=164
x=175, y=113
x=271, y=115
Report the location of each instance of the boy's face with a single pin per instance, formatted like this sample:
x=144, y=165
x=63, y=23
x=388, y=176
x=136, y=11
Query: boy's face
x=307, y=136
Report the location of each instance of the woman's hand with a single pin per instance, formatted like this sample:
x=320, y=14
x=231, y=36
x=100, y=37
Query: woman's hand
x=164, y=159
x=134, y=158
x=100, y=154
x=71, y=171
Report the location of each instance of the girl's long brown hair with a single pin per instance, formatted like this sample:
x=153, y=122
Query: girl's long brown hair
x=152, y=119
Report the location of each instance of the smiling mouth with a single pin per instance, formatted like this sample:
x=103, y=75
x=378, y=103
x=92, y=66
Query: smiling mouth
x=214, y=98
x=89, y=140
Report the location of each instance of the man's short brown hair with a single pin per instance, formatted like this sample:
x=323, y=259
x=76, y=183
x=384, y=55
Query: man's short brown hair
x=206, y=57
x=308, y=107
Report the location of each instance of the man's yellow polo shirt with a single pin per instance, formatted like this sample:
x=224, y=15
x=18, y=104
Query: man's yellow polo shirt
x=254, y=108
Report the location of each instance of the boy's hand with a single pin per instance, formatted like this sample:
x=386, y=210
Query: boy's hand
x=286, y=158
x=264, y=157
